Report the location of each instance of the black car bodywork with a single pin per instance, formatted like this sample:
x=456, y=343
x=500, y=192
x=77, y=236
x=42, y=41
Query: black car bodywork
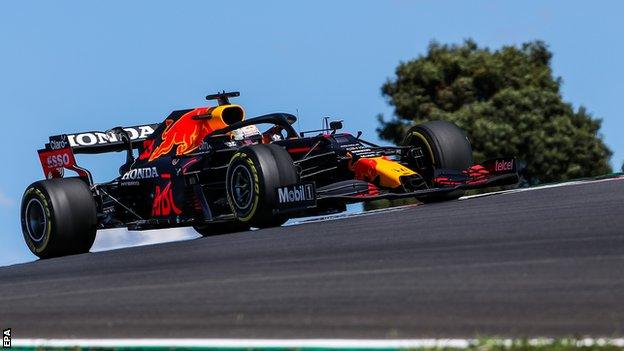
x=181, y=172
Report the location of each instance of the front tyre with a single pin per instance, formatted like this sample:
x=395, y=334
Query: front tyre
x=59, y=217
x=253, y=175
x=445, y=146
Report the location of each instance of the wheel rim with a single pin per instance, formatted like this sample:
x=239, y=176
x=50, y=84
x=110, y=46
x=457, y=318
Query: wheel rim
x=241, y=187
x=36, y=221
x=419, y=140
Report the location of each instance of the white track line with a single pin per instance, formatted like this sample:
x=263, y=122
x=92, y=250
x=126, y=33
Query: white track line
x=545, y=186
x=294, y=343
x=333, y=217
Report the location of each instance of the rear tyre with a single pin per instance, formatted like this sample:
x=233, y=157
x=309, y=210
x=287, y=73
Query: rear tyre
x=211, y=229
x=59, y=217
x=445, y=146
x=252, y=176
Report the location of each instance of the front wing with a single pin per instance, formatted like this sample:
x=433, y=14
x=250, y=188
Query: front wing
x=498, y=180
x=491, y=173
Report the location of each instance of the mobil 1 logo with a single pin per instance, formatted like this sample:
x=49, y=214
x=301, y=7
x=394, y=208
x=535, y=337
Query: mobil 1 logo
x=296, y=196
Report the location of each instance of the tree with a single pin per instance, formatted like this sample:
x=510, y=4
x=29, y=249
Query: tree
x=507, y=101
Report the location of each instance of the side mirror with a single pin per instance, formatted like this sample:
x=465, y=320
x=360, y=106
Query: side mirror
x=335, y=125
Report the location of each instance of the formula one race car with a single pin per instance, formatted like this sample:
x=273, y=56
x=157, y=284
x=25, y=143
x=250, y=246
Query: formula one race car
x=212, y=169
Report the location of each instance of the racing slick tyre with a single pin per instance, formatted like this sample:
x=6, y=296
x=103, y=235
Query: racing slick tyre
x=445, y=146
x=252, y=176
x=210, y=229
x=59, y=217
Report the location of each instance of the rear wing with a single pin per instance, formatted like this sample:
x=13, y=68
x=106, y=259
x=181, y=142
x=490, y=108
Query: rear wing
x=58, y=154
x=100, y=142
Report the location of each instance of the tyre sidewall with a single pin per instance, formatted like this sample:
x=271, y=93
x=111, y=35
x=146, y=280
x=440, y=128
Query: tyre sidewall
x=39, y=248
x=447, y=146
x=270, y=167
x=447, y=142
x=71, y=216
x=248, y=161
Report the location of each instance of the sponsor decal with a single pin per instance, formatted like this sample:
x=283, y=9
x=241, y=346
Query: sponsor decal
x=360, y=151
x=58, y=160
x=6, y=338
x=164, y=204
x=101, y=138
x=503, y=165
x=204, y=146
x=350, y=144
x=60, y=143
x=184, y=134
x=297, y=195
x=141, y=173
x=54, y=162
x=245, y=132
x=148, y=148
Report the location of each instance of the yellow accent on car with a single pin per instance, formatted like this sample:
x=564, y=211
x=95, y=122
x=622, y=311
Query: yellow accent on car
x=390, y=172
x=46, y=238
x=256, y=188
x=224, y=115
x=256, y=180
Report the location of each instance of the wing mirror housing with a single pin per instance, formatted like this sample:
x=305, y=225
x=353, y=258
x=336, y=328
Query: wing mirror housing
x=335, y=125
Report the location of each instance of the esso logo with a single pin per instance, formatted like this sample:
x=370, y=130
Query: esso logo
x=58, y=161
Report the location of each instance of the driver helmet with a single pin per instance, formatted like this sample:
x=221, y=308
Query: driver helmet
x=245, y=132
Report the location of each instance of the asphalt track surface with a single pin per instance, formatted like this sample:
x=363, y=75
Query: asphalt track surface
x=548, y=262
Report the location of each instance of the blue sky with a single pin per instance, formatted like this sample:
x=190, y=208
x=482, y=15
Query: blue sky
x=68, y=66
